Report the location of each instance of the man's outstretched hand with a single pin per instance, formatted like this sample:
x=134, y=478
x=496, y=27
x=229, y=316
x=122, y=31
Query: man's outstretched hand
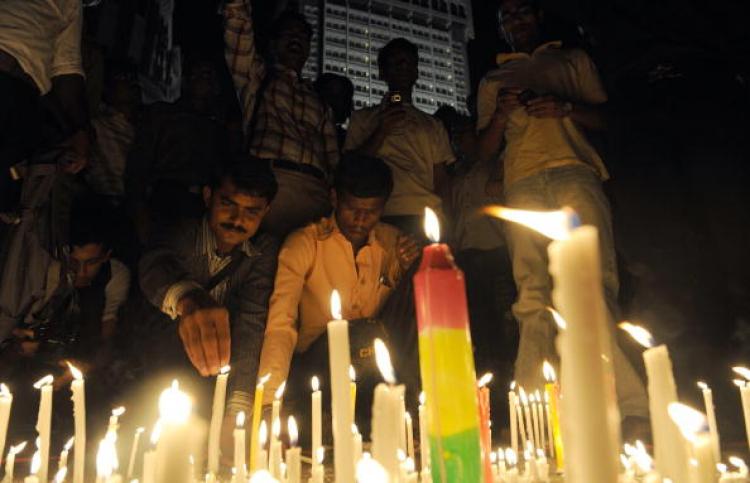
x=204, y=330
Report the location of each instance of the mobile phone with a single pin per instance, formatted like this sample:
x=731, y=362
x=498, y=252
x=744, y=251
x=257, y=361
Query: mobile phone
x=395, y=98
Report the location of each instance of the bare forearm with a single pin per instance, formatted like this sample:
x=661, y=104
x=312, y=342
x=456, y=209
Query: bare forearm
x=491, y=139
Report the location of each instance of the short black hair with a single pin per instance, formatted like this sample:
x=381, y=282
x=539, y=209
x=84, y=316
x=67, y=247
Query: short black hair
x=92, y=221
x=398, y=43
x=252, y=176
x=286, y=17
x=328, y=78
x=363, y=177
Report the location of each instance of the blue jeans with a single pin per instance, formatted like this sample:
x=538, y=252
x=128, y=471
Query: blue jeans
x=578, y=187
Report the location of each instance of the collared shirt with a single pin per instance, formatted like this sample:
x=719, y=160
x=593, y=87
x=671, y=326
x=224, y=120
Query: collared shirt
x=44, y=36
x=533, y=144
x=205, y=244
x=411, y=152
x=293, y=123
x=314, y=261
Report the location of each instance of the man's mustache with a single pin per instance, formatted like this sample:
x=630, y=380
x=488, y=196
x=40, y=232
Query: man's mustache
x=231, y=227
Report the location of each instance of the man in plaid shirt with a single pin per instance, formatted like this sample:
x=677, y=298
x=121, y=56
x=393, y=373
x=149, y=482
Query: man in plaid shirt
x=290, y=126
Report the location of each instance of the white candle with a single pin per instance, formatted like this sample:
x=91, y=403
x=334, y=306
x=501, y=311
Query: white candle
x=318, y=472
x=387, y=421
x=708, y=402
x=693, y=426
x=293, y=462
x=521, y=425
x=78, y=396
x=339, y=362
x=44, y=424
x=239, y=447
x=670, y=453
x=535, y=421
x=64, y=453
x=370, y=470
x=149, y=457
x=317, y=427
x=409, y=435
x=274, y=451
x=424, y=441
x=357, y=444
x=217, y=416
x=512, y=417
x=527, y=416
x=174, y=446
x=36, y=463
x=261, y=462
x=10, y=462
x=276, y=409
x=540, y=416
x=6, y=401
x=133, y=453
x=106, y=457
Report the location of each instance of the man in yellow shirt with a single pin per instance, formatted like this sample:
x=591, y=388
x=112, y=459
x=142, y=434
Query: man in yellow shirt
x=350, y=251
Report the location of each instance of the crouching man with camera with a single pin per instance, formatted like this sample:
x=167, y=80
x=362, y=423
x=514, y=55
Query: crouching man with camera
x=533, y=112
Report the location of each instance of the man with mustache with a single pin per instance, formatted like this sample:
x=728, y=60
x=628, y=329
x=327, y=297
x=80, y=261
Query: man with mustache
x=286, y=123
x=213, y=278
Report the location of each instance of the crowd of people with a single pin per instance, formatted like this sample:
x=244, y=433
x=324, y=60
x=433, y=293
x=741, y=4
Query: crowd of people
x=177, y=238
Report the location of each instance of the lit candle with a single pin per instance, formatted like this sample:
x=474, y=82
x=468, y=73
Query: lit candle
x=585, y=346
x=36, y=463
x=44, y=424
x=293, y=463
x=694, y=428
x=535, y=421
x=483, y=395
x=708, y=402
x=540, y=417
x=10, y=462
x=371, y=471
x=257, y=410
x=353, y=391
x=6, y=401
x=64, y=453
x=357, y=444
x=133, y=453
x=318, y=472
x=274, y=451
x=276, y=408
x=527, y=417
x=173, y=448
x=78, y=396
x=409, y=435
x=670, y=454
x=511, y=458
x=149, y=457
x=106, y=458
x=424, y=444
x=262, y=462
x=525, y=438
x=217, y=416
x=447, y=362
x=552, y=409
x=239, y=447
x=387, y=422
x=339, y=362
x=317, y=428
x=512, y=417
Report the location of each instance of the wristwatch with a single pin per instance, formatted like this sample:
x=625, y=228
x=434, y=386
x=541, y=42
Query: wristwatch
x=567, y=108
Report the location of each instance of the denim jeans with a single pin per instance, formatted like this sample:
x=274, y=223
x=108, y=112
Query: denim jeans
x=578, y=187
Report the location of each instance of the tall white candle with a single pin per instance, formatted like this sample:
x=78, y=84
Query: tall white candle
x=239, y=447
x=293, y=462
x=6, y=401
x=670, y=453
x=527, y=417
x=339, y=362
x=217, y=416
x=745, y=398
x=274, y=450
x=512, y=417
x=708, y=402
x=424, y=441
x=387, y=421
x=133, y=453
x=318, y=472
x=261, y=462
x=44, y=424
x=10, y=462
x=538, y=403
x=535, y=421
x=64, y=453
x=521, y=425
x=174, y=446
x=78, y=396
x=694, y=428
x=317, y=417
x=357, y=437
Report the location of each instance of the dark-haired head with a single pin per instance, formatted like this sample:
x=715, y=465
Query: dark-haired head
x=521, y=24
x=289, y=41
x=237, y=200
x=398, y=63
x=91, y=237
x=337, y=91
x=362, y=185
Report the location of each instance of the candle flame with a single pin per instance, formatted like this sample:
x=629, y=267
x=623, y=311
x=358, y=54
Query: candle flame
x=239, y=421
x=690, y=421
x=556, y=225
x=69, y=443
x=422, y=398
x=4, y=391
x=739, y=382
x=61, y=474
x=493, y=457
x=549, y=372
x=524, y=398
x=18, y=448
x=485, y=379
x=117, y=412
x=352, y=374
x=407, y=417
x=263, y=433
x=280, y=391
x=383, y=359
x=225, y=369
x=532, y=398
x=702, y=385
x=315, y=383
x=77, y=374
x=641, y=335
x=321, y=456
x=263, y=380
x=512, y=385
x=36, y=459
x=276, y=427
x=401, y=455
x=106, y=456
x=409, y=465
x=624, y=461
x=262, y=476
x=355, y=429
x=737, y=462
x=336, y=305
x=46, y=380
x=510, y=456
x=156, y=432
x=546, y=397
x=742, y=371
x=561, y=323
x=500, y=454
x=721, y=467
x=139, y=430
x=291, y=427
x=431, y=225
x=174, y=405
x=537, y=396
x=369, y=469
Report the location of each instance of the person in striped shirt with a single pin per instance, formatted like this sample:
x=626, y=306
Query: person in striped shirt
x=285, y=121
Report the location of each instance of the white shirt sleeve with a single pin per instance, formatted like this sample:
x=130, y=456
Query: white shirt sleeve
x=116, y=291
x=486, y=103
x=591, y=89
x=66, y=58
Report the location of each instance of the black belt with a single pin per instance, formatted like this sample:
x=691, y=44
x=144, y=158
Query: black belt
x=300, y=168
